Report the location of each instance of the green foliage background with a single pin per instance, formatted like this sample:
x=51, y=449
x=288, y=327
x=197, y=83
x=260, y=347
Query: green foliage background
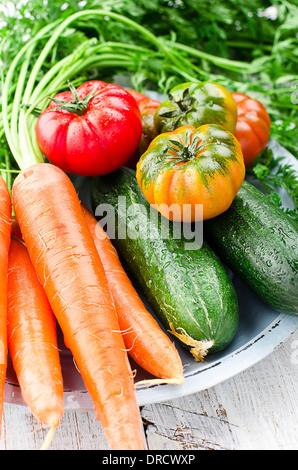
x=248, y=46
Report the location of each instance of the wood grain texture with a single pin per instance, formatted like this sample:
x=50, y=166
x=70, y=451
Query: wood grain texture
x=257, y=409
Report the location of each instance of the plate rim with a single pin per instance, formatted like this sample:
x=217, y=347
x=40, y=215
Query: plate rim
x=280, y=329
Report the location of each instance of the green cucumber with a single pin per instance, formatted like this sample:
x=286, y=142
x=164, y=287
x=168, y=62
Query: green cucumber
x=189, y=290
x=259, y=242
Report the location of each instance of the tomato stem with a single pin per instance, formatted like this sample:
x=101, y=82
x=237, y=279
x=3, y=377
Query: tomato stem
x=77, y=106
x=188, y=150
x=182, y=106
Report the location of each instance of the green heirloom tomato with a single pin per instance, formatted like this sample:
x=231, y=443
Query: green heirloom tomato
x=195, y=104
x=189, y=166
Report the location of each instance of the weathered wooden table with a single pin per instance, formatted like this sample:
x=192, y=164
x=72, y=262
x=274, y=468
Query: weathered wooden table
x=256, y=409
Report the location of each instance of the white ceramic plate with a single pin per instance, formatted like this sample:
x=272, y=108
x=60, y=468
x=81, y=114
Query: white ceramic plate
x=261, y=330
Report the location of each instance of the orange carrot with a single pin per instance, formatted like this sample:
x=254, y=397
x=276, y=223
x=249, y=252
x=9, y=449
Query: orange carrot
x=32, y=339
x=145, y=341
x=64, y=256
x=5, y=231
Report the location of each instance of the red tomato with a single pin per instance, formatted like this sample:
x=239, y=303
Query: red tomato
x=252, y=128
x=90, y=131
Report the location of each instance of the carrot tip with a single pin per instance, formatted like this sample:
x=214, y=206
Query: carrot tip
x=175, y=381
x=48, y=438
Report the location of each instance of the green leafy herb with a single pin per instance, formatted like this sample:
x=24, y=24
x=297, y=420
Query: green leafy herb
x=272, y=175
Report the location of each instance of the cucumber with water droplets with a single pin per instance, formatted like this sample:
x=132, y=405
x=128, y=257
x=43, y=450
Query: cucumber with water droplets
x=259, y=242
x=189, y=290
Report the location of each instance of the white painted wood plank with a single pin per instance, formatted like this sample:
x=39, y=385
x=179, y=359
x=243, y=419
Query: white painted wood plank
x=191, y=430
x=257, y=409
x=77, y=431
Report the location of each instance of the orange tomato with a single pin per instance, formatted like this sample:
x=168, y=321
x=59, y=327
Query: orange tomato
x=189, y=166
x=147, y=108
x=252, y=128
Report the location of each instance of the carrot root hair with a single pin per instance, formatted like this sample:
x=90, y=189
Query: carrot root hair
x=49, y=438
x=150, y=382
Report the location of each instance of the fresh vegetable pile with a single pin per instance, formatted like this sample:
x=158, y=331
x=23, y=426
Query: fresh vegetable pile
x=188, y=289
x=191, y=149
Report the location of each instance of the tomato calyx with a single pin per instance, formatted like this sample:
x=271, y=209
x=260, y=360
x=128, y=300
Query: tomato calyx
x=183, y=106
x=187, y=151
x=77, y=106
